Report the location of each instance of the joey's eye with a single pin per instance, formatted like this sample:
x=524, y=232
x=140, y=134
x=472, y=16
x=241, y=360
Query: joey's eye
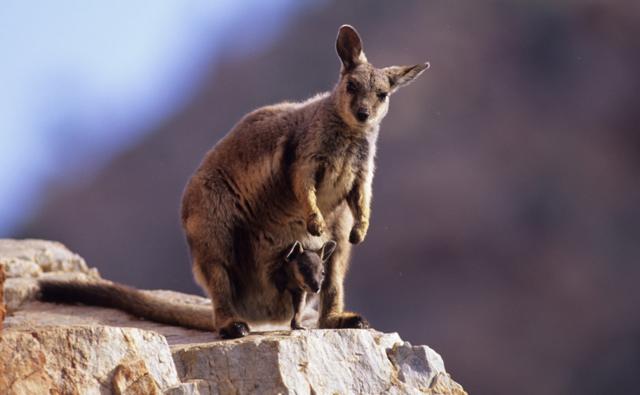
x=351, y=87
x=382, y=96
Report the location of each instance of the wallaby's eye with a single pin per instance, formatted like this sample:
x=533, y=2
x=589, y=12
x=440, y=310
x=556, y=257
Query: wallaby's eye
x=351, y=87
x=382, y=96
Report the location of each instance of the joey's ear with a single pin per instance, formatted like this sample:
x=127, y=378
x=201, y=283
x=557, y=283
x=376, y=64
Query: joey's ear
x=295, y=250
x=403, y=75
x=349, y=47
x=327, y=249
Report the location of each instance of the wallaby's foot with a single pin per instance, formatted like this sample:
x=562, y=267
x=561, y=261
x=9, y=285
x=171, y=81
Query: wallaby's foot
x=234, y=330
x=356, y=321
x=315, y=224
x=344, y=320
x=295, y=324
x=358, y=232
x=298, y=327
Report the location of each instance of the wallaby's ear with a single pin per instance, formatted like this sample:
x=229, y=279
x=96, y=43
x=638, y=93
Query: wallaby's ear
x=327, y=249
x=349, y=47
x=403, y=75
x=295, y=250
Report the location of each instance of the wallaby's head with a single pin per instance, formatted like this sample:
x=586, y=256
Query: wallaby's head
x=307, y=266
x=363, y=91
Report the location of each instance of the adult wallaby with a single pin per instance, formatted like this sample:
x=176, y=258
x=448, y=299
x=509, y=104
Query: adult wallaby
x=291, y=171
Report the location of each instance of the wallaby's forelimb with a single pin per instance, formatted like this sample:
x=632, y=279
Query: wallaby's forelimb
x=299, y=299
x=305, y=191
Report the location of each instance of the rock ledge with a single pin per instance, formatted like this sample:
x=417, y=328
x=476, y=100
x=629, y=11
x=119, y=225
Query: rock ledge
x=47, y=348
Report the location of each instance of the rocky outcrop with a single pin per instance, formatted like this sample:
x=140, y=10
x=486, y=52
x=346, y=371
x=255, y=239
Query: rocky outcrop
x=25, y=261
x=3, y=310
x=84, y=359
x=81, y=349
x=315, y=361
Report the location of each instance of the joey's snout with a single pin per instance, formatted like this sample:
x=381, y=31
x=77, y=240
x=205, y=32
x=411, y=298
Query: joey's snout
x=313, y=285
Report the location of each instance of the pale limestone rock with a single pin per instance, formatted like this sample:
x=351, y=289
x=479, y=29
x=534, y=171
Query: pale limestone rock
x=31, y=258
x=191, y=387
x=83, y=349
x=82, y=359
x=327, y=361
x=134, y=378
x=443, y=384
x=344, y=361
x=417, y=365
x=19, y=290
x=36, y=314
x=26, y=261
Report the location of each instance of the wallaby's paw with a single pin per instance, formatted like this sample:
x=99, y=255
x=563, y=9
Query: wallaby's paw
x=359, y=231
x=315, y=224
x=234, y=330
x=356, y=236
x=345, y=321
x=356, y=321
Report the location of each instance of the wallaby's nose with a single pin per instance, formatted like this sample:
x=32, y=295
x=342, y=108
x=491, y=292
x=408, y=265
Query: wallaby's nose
x=315, y=288
x=362, y=115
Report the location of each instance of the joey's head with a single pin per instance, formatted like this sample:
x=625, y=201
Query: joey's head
x=363, y=91
x=308, y=266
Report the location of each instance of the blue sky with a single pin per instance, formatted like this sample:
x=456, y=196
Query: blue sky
x=81, y=80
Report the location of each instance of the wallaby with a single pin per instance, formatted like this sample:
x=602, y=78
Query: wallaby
x=301, y=273
x=290, y=171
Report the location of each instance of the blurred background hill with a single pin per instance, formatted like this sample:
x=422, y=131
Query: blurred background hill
x=506, y=219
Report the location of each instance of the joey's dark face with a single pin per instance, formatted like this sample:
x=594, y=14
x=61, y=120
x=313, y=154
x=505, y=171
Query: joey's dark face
x=309, y=271
x=308, y=266
x=363, y=95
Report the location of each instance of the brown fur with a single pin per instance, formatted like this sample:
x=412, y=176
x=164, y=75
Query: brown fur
x=291, y=171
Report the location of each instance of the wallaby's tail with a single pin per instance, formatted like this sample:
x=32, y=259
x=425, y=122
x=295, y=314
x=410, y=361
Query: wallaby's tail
x=131, y=300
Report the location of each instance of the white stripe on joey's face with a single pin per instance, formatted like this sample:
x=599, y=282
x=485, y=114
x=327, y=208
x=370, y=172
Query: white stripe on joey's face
x=363, y=90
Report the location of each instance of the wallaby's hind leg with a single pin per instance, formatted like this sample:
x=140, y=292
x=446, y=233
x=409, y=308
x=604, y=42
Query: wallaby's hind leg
x=206, y=213
x=214, y=279
x=332, y=314
x=229, y=326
